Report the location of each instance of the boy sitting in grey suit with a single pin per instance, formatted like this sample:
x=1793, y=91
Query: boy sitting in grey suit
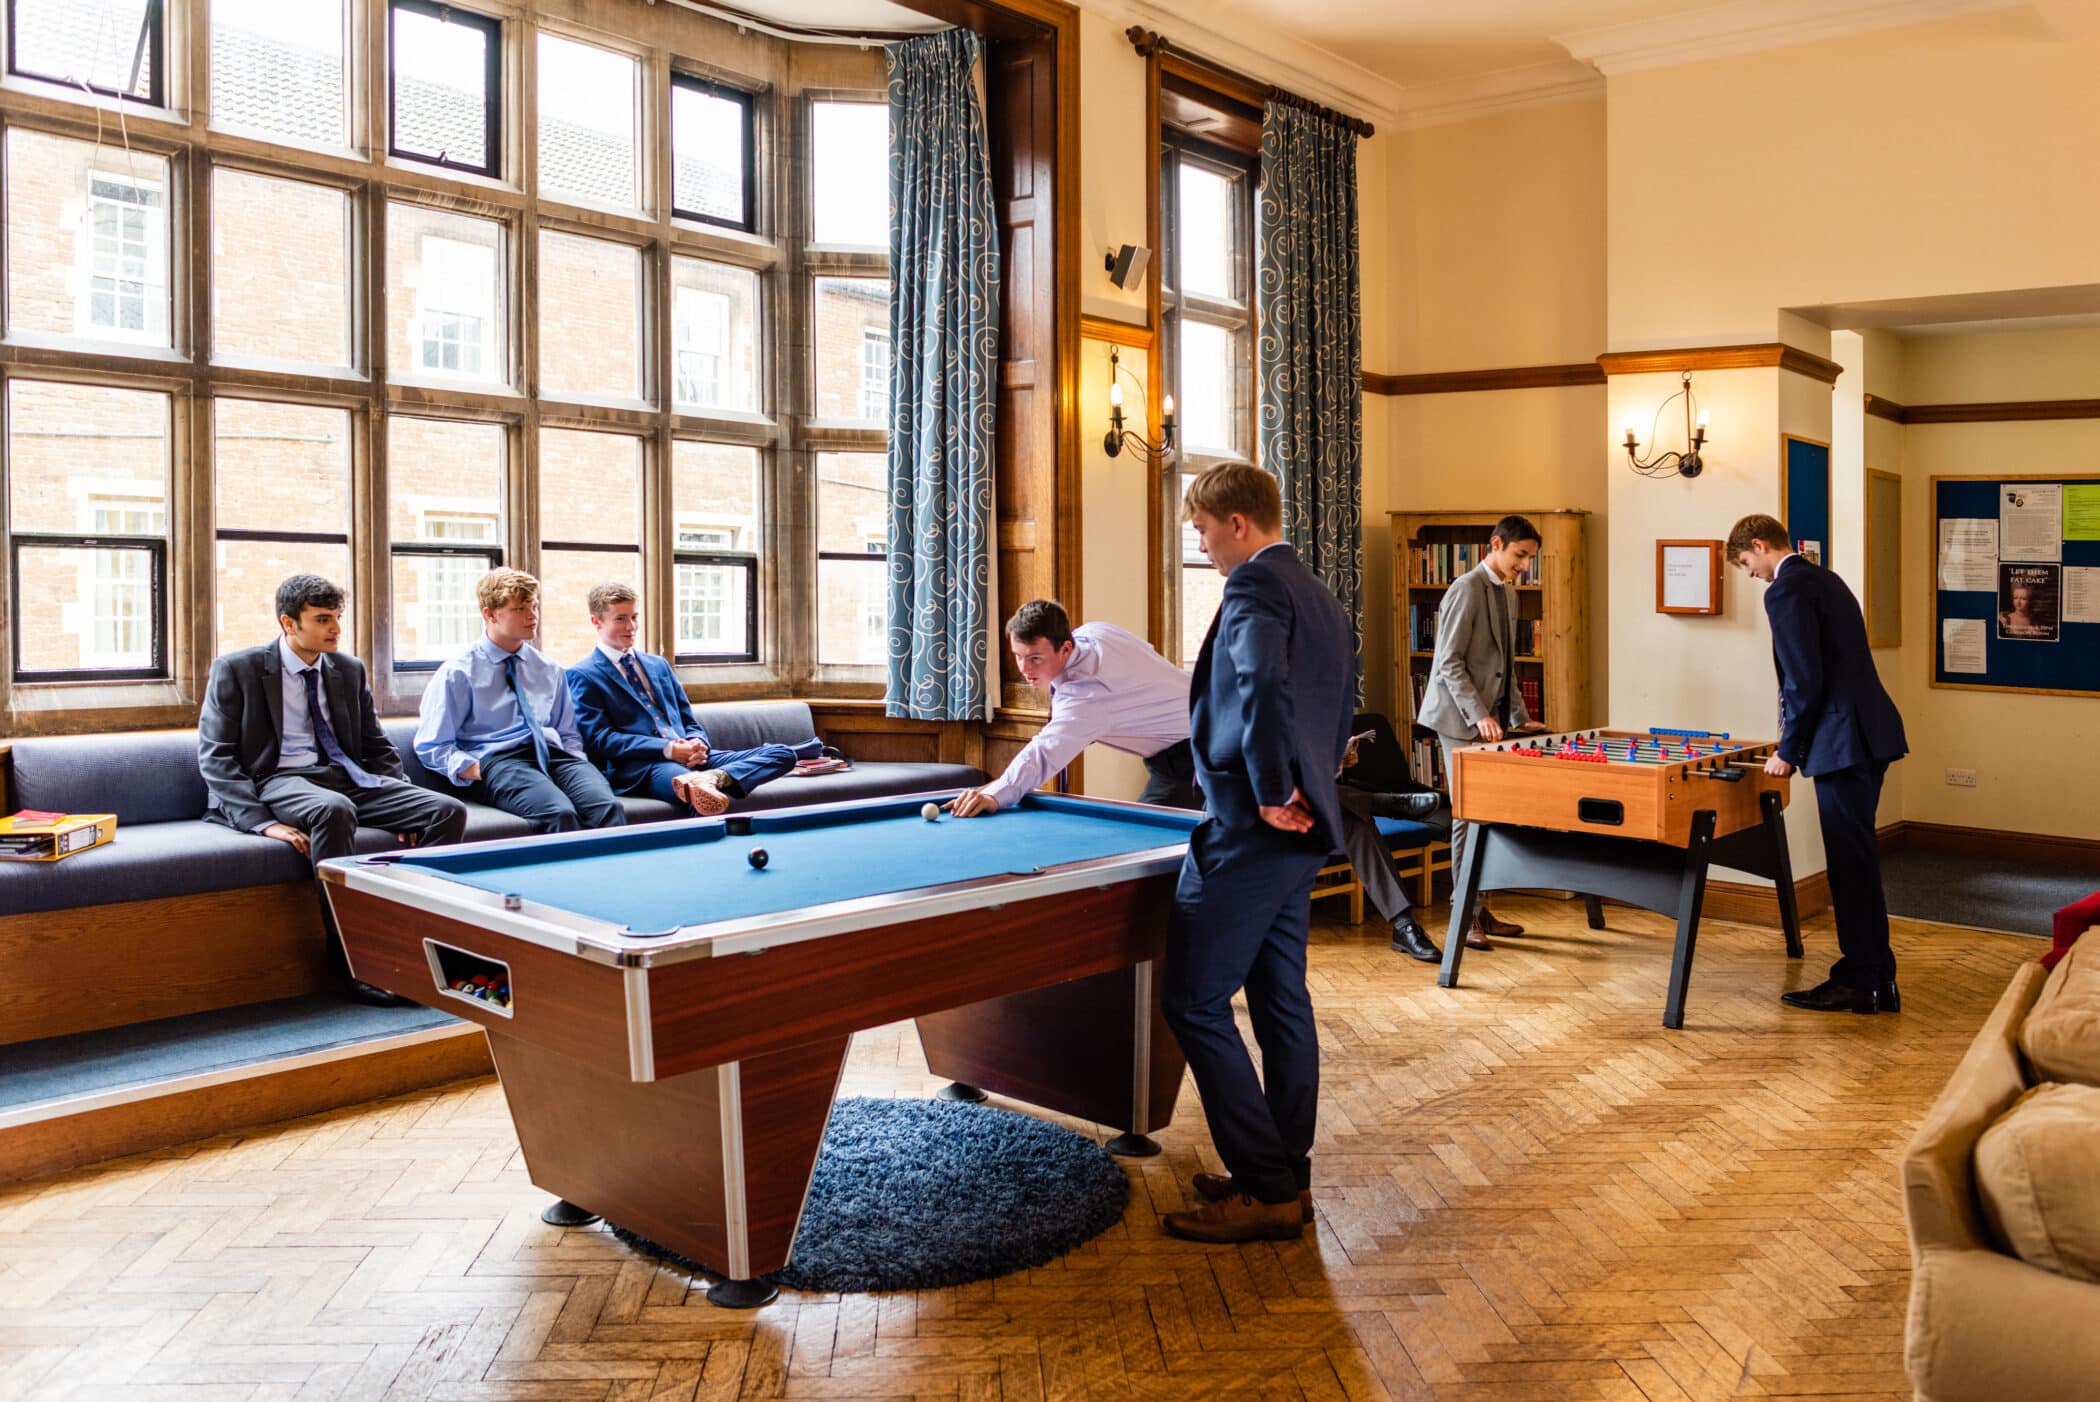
x=291, y=749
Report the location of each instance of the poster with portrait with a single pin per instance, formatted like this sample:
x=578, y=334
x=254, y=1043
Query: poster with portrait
x=2030, y=603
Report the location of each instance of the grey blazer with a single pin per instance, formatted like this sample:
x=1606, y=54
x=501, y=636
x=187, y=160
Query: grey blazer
x=237, y=734
x=1473, y=652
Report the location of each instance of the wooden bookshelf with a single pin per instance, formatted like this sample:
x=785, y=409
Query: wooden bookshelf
x=1553, y=603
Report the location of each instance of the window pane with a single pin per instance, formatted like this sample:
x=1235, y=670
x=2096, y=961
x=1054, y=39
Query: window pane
x=1210, y=380
x=86, y=461
x=715, y=498
x=590, y=317
x=277, y=69
x=281, y=467
x=709, y=136
x=852, y=595
x=853, y=348
x=590, y=487
x=87, y=239
x=248, y=575
x=566, y=579
x=587, y=122
x=1204, y=231
x=446, y=482
x=86, y=610
x=714, y=611
x=441, y=99
x=445, y=296
x=102, y=43
x=851, y=181
x=714, y=336
x=266, y=302
x=1201, y=592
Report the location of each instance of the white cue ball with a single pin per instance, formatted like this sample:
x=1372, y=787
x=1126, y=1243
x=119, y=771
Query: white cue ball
x=931, y=812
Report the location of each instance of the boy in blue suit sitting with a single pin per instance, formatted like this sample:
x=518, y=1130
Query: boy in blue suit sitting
x=640, y=729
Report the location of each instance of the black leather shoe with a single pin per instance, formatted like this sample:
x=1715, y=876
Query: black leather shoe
x=1830, y=996
x=1891, y=1001
x=1412, y=940
x=1415, y=806
x=372, y=996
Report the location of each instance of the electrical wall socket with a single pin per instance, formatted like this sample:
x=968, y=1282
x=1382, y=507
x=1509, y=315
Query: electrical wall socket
x=1962, y=778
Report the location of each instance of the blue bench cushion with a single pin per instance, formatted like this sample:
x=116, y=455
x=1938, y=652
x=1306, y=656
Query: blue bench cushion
x=142, y=777
x=1396, y=830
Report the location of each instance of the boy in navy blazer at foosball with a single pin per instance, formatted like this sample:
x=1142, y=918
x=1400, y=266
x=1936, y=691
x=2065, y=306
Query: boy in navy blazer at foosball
x=1838, y=727
x=639, y=728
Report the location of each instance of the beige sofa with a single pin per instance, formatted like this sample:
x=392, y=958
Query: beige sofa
x=1986, y=1325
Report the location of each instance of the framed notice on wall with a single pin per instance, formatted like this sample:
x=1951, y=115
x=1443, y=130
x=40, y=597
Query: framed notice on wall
x=1688, y=576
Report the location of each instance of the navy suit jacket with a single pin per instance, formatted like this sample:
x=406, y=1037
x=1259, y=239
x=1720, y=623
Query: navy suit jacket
x=1274, y=692
x=1833, y=711
x=617, y=731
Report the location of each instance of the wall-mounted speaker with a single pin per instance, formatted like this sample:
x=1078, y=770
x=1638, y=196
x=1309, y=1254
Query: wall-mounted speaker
x=1126, y=266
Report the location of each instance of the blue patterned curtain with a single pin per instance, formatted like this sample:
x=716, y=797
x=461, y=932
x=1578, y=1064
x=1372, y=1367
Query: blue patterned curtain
x=1309, y=306
x=944, y=331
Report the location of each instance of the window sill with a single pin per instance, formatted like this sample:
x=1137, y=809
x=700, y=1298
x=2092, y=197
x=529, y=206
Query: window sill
x=63, y=708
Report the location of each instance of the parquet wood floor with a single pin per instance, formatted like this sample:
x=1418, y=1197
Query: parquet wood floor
x=1527, y=1189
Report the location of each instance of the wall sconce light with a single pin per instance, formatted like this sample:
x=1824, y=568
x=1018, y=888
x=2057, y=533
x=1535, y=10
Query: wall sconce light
x=1684, y=464
x=1118, y=435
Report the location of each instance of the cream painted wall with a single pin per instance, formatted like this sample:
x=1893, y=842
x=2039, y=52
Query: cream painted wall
x=1496, y=258
x=2034, y=759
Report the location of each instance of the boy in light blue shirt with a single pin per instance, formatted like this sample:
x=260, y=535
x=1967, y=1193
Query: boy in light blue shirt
x=497, y=720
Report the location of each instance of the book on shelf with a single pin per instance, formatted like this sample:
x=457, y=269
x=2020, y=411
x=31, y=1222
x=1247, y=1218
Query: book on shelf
x=1429, y=762
x=1441, y=564
x=1528, y=688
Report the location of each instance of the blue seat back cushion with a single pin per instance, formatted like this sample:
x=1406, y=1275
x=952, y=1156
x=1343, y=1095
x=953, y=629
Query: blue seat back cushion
x=744, y=724
x=142, y=777
x=402, y=731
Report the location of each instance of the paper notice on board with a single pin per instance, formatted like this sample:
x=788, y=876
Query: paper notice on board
x=2081, y=594
x=1969, y=554
x=1962, y=643
x=2081, y=511
x=1687, y=577
x=2031, y=521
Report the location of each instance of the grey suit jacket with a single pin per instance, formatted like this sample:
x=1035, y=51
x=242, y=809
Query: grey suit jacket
x=237, y=734
x=1473, y=652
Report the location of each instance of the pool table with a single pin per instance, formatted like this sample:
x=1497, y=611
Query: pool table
x=670, y=1020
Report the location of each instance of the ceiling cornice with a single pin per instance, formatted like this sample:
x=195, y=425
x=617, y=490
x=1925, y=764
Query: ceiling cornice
x=1303, y=68
x=1749, y=26
x=1506, y=90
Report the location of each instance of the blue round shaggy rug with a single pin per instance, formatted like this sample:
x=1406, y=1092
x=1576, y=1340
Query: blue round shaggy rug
x=917, y=1194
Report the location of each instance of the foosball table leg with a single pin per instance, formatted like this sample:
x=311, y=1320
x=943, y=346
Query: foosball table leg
x=1691, y=897
x=1465, y=899
x=1594, y=909
x=1782, y=870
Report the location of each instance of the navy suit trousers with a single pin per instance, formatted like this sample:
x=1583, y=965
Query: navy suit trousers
x=1241, y=913
x=748, y=768
x=1846, y=800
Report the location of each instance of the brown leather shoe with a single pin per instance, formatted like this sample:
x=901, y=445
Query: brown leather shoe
x=1500, y=929
x=1237, y=1218
x=1475, y=938
x=1213, y=1187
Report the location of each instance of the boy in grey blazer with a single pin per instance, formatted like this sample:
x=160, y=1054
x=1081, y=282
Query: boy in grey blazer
x=1472, y=693
x=280, y=766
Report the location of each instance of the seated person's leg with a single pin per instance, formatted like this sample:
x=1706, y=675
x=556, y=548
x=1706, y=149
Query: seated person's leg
x=685, y=788
x=744, y=770
x=512, y=782
x=424, y=818
x=1368, y=854
x=594, y=803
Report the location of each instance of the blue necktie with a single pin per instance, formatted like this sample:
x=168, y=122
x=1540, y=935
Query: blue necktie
x=539, y=741
x=641, y=686
x=324, y=733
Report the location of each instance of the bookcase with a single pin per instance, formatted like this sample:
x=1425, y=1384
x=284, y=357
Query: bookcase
x=1432, y=548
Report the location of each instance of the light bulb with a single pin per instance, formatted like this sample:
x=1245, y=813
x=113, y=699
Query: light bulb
x=1631, y=435
x=1702, y=419
x=1167, y=406
x=1115, y=396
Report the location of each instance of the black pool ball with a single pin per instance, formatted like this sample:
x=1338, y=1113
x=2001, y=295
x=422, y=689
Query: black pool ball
x=759, y=859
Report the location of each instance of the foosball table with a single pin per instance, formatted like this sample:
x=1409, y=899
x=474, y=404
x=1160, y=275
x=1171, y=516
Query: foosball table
x=1630, y=816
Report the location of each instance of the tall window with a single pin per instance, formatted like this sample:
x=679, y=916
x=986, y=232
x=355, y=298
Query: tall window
x=712, y=179
x=445, y=521
x=447, y=303
x=283, y=498
x=454, y=312
x=278, y=69
x=700, y=324
x=127, y=262
x=875, y=373
x=445, y=86
x=716, y=495
x=1207, y=329
x=87, y=240
x=590, y=530
x=589, y=111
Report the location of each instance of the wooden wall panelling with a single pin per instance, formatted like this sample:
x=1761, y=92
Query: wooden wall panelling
x=99, y=966
x=1761, y=355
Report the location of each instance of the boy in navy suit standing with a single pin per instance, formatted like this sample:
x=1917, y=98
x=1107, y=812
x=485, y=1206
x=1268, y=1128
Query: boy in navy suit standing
x=639, y=727
x=1274, y=693
x=1839, y=728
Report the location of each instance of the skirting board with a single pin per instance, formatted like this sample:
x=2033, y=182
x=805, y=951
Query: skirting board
x=1992, y=842
x=147, y=1121
x=1759, y=905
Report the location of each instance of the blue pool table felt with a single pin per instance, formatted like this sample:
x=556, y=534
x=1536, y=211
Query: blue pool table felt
x=655, y=879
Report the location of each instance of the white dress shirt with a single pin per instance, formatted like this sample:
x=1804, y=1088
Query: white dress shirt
x=297, y=745
x=1116, y=690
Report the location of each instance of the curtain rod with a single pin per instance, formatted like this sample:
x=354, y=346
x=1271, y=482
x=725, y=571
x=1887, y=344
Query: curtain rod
x=800, y=34
x=1149, y=42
